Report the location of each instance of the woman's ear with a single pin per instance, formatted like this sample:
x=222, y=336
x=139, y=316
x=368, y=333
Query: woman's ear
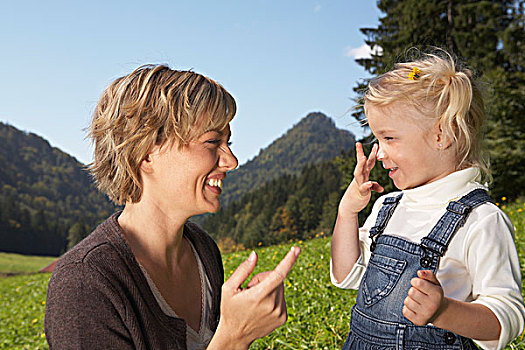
x=146, y=165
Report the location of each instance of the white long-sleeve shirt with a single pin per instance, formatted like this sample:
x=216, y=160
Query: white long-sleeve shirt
x=481, y=264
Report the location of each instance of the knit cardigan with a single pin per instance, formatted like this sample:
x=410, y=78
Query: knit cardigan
x=98, y=297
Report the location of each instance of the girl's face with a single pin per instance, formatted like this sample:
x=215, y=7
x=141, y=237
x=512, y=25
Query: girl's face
x=188, y=180
x=410, y=147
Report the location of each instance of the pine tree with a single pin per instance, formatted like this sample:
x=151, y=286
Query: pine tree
x=76, y=233
x=489, y=35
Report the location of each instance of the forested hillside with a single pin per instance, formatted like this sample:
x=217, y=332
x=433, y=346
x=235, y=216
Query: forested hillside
x=313, y=140
x=47, y=199
x=290, y=206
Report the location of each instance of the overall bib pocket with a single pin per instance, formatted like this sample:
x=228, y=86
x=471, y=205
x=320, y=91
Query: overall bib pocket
x=381, y=277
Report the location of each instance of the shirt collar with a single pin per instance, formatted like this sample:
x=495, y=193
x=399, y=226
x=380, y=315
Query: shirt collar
x=440, y=192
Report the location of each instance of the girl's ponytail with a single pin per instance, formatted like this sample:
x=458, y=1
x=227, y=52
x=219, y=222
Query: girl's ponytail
x=461, y=114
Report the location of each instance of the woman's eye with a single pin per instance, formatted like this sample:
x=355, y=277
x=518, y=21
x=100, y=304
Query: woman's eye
x=229, y=143
x=213, y=141
x=388, y=138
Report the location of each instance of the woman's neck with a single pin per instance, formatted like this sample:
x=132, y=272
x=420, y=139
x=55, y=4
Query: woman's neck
x=154, y=236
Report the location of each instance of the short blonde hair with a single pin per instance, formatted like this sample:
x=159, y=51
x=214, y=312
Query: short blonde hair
x=152, y=105
x=454, y=98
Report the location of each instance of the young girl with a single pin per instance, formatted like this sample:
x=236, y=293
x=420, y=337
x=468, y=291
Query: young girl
x=435, y=264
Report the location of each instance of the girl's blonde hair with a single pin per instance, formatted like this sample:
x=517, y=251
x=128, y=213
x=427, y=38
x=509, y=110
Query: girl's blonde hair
x=437, y=85
x=151, y=106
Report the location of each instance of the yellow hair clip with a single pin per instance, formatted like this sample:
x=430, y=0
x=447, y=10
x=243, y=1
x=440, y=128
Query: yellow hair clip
x=414, y=74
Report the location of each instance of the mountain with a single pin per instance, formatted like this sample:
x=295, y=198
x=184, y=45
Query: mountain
x=44, y=193
x=314, y=139
x=48, y=201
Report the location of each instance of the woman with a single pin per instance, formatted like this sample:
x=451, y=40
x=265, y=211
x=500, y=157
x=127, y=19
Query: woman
x=145, y=278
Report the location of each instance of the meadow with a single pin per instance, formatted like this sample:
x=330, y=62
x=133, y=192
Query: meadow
x=318, y=312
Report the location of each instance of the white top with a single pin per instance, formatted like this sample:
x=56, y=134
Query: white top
x=481, y=264
x=194, y=340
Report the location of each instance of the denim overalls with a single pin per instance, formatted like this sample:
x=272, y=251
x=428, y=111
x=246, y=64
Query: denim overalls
x=377, y=321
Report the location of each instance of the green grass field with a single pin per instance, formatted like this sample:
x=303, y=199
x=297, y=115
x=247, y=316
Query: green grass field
x=319, y=313
x=18, y=264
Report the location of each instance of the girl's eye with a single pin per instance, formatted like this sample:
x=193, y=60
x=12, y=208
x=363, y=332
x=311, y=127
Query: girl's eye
x=213, y=141
x=388, y=138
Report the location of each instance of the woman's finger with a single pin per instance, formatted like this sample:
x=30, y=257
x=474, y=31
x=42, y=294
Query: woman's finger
x=277, y=276
x=258, y=278
x=242, y=272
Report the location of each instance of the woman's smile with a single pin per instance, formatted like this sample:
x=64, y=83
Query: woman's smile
x=215, y=184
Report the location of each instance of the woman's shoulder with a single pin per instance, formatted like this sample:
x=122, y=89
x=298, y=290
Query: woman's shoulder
x=102, y=251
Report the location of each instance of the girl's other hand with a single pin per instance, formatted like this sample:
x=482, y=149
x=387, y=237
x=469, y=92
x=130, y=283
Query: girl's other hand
x=425, y=299
x=358, y=194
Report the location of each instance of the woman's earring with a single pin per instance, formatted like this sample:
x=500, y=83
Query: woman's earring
x=440, y=145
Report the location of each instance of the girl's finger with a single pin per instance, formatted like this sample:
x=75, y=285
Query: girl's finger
x=359, y=170
x=417, y=296
x=408, y=313
x=377, y=187
x=365, y=188
x=359, y=150
x=412, y=304
x=372, y=157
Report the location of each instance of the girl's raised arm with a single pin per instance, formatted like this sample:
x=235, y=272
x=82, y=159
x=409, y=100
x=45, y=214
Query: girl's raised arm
x=345, y=238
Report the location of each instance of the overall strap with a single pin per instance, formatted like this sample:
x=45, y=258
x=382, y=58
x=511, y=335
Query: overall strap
x=437, y=241
x=384, y=215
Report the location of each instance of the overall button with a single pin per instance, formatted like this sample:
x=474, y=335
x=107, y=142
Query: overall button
x=425, y=261
x=450, y=338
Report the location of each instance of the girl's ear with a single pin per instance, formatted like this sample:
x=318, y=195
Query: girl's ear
x=442, y=140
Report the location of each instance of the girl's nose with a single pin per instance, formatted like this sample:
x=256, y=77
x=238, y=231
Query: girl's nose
x=380, y=154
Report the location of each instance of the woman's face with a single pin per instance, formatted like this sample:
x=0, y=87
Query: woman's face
x=188, y=179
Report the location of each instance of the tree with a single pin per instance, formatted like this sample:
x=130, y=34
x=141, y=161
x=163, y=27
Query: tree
x=76, y=233
x=490, y=36
x=309, y=215
x=329, y=213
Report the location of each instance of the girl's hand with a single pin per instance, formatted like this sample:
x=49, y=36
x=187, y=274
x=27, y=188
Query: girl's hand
x=357, y=195
x=425, y=300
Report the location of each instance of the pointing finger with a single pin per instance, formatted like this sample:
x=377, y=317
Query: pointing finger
x=280, y=272
x=242, y=272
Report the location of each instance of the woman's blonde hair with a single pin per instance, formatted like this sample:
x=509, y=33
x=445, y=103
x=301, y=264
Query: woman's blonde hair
x=437, y=85
x=151, y=106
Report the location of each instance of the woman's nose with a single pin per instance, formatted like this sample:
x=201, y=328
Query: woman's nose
x=380, y=153
x=227, y=159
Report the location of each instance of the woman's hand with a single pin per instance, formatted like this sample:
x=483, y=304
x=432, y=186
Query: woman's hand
x=251, y=313
x=357, y=195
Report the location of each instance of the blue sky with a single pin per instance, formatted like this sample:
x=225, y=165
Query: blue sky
x=279, y=59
